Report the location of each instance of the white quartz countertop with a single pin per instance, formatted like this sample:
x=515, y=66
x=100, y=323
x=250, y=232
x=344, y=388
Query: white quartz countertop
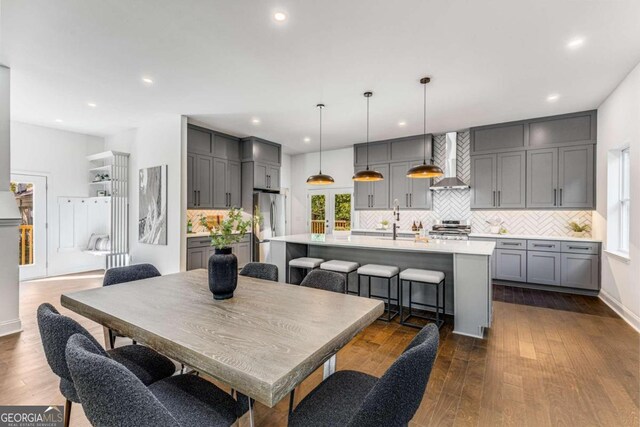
x=206, y=234
x=379, y=231
x=534, y=237
x=387, y=243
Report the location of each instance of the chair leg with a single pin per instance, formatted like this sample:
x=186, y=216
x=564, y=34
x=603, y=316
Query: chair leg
x=67, y=412
x=292, y=400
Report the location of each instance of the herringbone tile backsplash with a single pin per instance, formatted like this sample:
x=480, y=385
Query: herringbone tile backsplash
x=455, y=204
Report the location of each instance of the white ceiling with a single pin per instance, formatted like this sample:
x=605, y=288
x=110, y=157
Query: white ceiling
x=227, y=62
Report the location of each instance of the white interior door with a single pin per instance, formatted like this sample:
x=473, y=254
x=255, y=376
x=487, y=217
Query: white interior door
x=329, y=210
x=31, y=197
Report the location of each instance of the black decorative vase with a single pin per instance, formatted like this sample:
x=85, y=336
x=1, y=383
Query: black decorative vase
x=223, y=273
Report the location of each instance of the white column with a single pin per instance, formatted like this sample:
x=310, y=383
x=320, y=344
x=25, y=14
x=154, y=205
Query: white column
x=9, y=221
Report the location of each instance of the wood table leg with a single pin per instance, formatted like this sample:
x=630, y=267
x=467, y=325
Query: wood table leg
x=107, y=337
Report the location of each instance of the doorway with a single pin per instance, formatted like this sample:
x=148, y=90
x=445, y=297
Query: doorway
x=329, y=210
x=30, y=192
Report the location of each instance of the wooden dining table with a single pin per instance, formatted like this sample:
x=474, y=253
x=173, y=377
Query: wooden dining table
x=262, y=342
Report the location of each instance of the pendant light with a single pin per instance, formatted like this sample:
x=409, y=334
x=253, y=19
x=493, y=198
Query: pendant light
x=320, y=178
x=425, y=170
x=367, y=174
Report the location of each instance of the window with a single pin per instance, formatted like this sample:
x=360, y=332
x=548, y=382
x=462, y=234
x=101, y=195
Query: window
x=624, y=201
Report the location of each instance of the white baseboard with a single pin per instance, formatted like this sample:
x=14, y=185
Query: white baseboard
x=626, y=314
x=9, y=327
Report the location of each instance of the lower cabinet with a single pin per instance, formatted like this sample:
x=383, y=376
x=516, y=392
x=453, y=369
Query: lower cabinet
x=580, y=271
x=543, y=268
x=199, y=250
x=511, y=264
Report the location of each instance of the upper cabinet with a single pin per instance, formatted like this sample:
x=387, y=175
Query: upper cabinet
x=498, y=181
x=554, y=131
x=393, y=158
x=260, y=150
x=213, y=169
x=544, y=163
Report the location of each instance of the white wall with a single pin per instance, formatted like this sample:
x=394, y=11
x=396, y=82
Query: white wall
x=619, y=126
x=62, y=157
x=157, y=142
x=337, y=163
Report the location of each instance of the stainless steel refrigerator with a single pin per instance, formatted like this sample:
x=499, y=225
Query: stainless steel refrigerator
x=272, y=209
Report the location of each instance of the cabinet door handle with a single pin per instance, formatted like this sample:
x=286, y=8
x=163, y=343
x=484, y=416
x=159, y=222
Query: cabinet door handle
x=511, y=244
x=561, y=197
x=535, y=245
x=583, y=248
x=555, y=197
x=198, y=197
x=194, y=197
x=406, y=199
x=410, y=200
x=499, y=198
x=494, y=198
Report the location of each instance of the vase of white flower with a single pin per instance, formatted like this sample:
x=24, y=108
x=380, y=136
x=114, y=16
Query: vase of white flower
x=223, y=264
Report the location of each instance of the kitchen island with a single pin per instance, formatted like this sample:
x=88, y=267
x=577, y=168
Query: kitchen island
x=467, y=265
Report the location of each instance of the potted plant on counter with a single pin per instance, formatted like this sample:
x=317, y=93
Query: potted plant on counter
x=223, y=264
x=579, y=230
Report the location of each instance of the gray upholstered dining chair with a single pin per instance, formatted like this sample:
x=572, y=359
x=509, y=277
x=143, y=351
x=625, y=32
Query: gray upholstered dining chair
x=326, y=280
x=355, y=399
x=56, y=329
x=130, y=273
x=260, y=270
x=112, y=395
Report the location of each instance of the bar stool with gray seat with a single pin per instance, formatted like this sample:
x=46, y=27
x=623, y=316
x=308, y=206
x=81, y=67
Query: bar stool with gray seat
x=423, y=277
x=343, y=267
x=388, y=272
x=305, y=264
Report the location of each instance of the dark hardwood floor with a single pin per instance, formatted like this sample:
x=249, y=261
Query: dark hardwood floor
x=549, y=359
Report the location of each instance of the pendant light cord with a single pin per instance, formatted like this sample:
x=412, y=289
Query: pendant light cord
x=368, y=132
x=424, y=145
x=319, y=106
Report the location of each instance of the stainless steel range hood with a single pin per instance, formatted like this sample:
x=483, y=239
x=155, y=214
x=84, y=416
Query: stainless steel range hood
x=450, y=180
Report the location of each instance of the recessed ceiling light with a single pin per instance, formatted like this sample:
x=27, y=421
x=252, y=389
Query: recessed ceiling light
x=255, y=121
x=307, y=139
x=553, y=97
x=280, y=16
x=147, y=80
x=91, y=104
x=575, y=43
x=402, y=123
x=58, y=120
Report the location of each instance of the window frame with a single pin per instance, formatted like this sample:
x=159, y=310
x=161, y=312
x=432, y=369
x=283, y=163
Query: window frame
x=624, y=201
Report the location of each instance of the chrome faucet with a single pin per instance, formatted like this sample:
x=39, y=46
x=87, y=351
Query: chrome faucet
x=396, y=218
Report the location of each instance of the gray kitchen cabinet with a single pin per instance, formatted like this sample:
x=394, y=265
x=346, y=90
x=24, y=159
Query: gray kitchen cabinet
x=226, y=147
x=493, y=256
x=542, y=178
x=191, y=189
x=511, y=264
x=543, y=267
x=242, y=251
x=499, y=137
x=197, y=258
x=201, y=173
x=372, y=195
x=498, y=181
x=226, y=184
x=483, y=181
x=273, y=177
x=410, y=193
x=561, y=177
x=576, y=177
x=378, y=153
x=410, y=148
x=199, y=140
x=511, y=184
x=580, y=271
x=260, y=150
x=565, y=129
